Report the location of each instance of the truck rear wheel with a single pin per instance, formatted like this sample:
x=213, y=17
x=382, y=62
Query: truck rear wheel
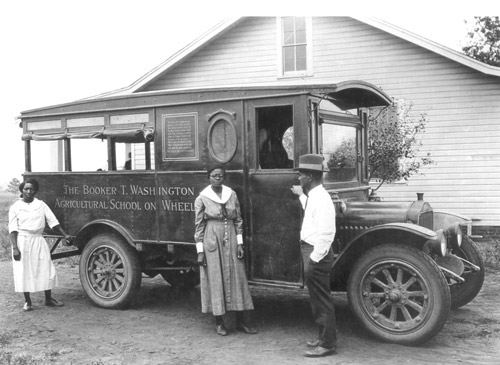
x=399, y=294
x=463, y=293
x=110, y=271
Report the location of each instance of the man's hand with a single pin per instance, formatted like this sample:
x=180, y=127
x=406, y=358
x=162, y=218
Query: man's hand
x=68, y=240
x=16, y=253
x=241, y=252
x=202, y=261
x=297, y=190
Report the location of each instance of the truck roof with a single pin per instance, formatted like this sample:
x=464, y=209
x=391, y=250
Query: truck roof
x=346, y=95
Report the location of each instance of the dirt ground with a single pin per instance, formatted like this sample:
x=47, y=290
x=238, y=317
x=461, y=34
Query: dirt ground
x=165, y=326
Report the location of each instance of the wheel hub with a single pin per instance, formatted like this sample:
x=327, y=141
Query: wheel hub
x=395, y=296
x=109, y=272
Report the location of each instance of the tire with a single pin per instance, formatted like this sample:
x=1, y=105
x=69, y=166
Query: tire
x=463, y=293
x=110, y=271
x=399, y=294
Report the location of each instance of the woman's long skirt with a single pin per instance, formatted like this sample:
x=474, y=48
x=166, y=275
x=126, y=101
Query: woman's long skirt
x=35, y=271
x=223, y=281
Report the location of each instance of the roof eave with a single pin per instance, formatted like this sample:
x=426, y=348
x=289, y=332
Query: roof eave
x=430, y=45
x=180, y=55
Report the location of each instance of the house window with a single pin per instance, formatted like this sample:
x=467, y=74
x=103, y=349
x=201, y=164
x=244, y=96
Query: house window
x=295, y=46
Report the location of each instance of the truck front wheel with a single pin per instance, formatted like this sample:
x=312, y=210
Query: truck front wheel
x=463, y=293
x=110, y=271
x=399, y=294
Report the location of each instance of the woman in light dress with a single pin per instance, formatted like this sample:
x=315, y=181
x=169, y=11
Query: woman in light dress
x=219, y=242
x=33, y=267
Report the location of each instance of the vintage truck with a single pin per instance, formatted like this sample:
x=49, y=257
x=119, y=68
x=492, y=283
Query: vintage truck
x=403, y=265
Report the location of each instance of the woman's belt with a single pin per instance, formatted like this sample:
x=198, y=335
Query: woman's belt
x=222, y=220
x=27, y=232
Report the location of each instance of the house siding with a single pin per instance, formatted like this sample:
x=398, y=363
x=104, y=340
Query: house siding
x=462, y=105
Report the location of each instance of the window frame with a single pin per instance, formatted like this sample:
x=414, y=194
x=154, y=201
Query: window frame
x=347, y=120
x=309, y=50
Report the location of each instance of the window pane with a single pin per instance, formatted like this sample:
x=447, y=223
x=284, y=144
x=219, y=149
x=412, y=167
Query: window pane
x=288, y=59
x=288, y=24
x=300, y=23
x=139, y=155
x=300, y=37
x=339, y=150
x=301, y=58
x=288, y=38
x=47, y=156
x=89, y=154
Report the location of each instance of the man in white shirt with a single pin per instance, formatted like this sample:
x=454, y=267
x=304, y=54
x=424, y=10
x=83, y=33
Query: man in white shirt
x=316, y=235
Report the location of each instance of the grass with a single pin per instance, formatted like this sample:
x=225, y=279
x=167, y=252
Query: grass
x=6, y=200
x=490, y=252
x=8, y=358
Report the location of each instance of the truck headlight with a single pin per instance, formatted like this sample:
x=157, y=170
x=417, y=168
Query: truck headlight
x=454, y=235
x=437, y=246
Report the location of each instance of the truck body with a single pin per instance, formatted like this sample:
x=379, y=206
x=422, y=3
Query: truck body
x=402, y=271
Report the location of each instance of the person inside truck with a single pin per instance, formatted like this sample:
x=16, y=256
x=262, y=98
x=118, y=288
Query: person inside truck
x=219, y=243
x=33, y=267
x=128, y=163
x=272, y=154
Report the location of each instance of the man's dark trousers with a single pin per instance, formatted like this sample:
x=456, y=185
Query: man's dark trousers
x=317, y=275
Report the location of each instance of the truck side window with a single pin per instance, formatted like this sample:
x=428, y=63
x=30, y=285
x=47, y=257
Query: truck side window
x=275, y=131
x=339, y=149
x=132, y=156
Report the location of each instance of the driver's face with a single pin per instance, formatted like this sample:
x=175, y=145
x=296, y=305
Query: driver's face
x=304, y=179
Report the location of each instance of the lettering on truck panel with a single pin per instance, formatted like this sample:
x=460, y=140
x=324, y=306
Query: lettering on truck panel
x=176, y=201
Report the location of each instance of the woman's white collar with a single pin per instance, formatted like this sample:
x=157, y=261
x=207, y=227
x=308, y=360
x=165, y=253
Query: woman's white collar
x=210, y=194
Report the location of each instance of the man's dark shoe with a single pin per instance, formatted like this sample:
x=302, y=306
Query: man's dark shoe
x=53, y=303
x=244, y=328
x=312, y=343
x=320, y=352
x=221, y=329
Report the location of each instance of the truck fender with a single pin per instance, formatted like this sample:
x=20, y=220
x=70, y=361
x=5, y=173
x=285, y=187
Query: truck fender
x=443, y=219
x=102, y=225
x=405, y=233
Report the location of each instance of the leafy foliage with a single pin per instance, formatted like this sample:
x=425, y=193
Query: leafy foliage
x=483, y=40
x=394, y=144
x=344, y=155
x=13, y=186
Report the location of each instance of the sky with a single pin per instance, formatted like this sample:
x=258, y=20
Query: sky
x=55, y=51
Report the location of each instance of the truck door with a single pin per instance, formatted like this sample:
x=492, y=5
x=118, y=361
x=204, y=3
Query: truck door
x=274, y=212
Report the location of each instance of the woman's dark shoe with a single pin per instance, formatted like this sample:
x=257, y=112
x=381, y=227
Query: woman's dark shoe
x=221, y=329
x=244, y=328
x=27, y=307
x=53, y=303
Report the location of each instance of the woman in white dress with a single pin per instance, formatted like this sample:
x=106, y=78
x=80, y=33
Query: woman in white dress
x=33, y=267
x=219, y=242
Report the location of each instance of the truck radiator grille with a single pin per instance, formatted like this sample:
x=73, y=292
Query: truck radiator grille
x=426, y=219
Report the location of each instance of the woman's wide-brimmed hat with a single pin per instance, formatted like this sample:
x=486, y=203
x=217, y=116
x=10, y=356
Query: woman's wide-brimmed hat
x=311, y=162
